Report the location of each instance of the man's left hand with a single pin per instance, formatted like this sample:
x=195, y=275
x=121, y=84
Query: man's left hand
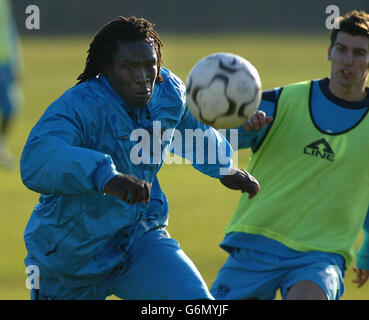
x=241, y=180
x=258, y=121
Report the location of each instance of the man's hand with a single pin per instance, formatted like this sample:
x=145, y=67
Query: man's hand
x=258, y=121
x=241, y=180
x=361, y=277
x=124, y=185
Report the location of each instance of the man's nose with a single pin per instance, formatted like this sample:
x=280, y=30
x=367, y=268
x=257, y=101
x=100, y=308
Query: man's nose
x=142, y=76
x=348, y=59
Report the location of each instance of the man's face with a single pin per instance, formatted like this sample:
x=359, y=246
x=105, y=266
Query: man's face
x=350, y=60
x=133, y=72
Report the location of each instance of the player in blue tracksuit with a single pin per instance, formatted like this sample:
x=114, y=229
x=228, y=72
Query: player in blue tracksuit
x=99, y=228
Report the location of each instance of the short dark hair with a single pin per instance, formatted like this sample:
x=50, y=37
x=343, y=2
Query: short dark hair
x=105, y=44
x=355, y=23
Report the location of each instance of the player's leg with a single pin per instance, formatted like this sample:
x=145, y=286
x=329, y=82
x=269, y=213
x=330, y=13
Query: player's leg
x=6, y=158
x=4, y=125
x=306, y=290
x=7, y=98
x=158, y=269
x=315, y=276
x=248, y=274
x=7, y=109
x=45, y=286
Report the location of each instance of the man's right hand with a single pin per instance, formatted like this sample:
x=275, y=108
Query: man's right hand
x=124, y=185
x=240, y=179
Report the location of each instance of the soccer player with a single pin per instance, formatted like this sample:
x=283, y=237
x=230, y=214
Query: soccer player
x=310, y=144
x=10, y=67
x=99, y=228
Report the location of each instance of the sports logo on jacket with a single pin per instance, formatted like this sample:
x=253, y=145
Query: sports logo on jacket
x=320, y=149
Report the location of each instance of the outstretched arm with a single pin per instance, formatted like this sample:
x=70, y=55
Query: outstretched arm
x=204, y=147
x=218, y=159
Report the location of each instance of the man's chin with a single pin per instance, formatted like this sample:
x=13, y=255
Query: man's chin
x=139, y=102
x=345, y=83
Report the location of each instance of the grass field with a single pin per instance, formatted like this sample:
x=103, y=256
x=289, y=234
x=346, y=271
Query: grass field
x=200, y=207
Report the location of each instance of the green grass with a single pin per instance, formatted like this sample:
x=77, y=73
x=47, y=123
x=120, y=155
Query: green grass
x=200, y=207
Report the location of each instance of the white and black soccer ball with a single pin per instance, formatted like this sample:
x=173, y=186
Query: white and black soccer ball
x=223, y=90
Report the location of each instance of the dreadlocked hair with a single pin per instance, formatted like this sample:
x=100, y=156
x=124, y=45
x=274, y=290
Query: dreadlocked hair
x=105, y=44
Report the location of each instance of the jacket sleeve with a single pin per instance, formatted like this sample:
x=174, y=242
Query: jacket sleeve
x=362, y=257
x=206, y=149
x=55, y=159
x=253, y=139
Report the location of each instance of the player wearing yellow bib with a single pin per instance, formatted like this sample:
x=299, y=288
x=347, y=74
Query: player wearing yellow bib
x=299, y=234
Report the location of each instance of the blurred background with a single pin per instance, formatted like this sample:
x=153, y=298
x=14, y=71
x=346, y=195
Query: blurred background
x=81, y=17
x=286, y=41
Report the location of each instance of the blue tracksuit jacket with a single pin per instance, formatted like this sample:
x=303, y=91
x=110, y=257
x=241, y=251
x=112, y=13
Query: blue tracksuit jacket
x=80, y=143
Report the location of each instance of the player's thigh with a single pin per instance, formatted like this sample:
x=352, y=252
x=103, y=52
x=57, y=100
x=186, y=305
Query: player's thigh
x=319, y=277
x=306, y=290
x=158, y=269
x=247, y=275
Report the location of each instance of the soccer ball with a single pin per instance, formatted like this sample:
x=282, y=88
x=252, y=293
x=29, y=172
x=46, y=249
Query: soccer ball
x=223, y=90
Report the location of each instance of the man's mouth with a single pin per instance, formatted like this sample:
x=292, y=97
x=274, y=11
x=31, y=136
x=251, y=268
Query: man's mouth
x=345, y=73
x=145, y=93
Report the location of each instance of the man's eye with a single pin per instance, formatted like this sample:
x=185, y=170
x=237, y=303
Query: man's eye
x=359, y=53
x=128, y=67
